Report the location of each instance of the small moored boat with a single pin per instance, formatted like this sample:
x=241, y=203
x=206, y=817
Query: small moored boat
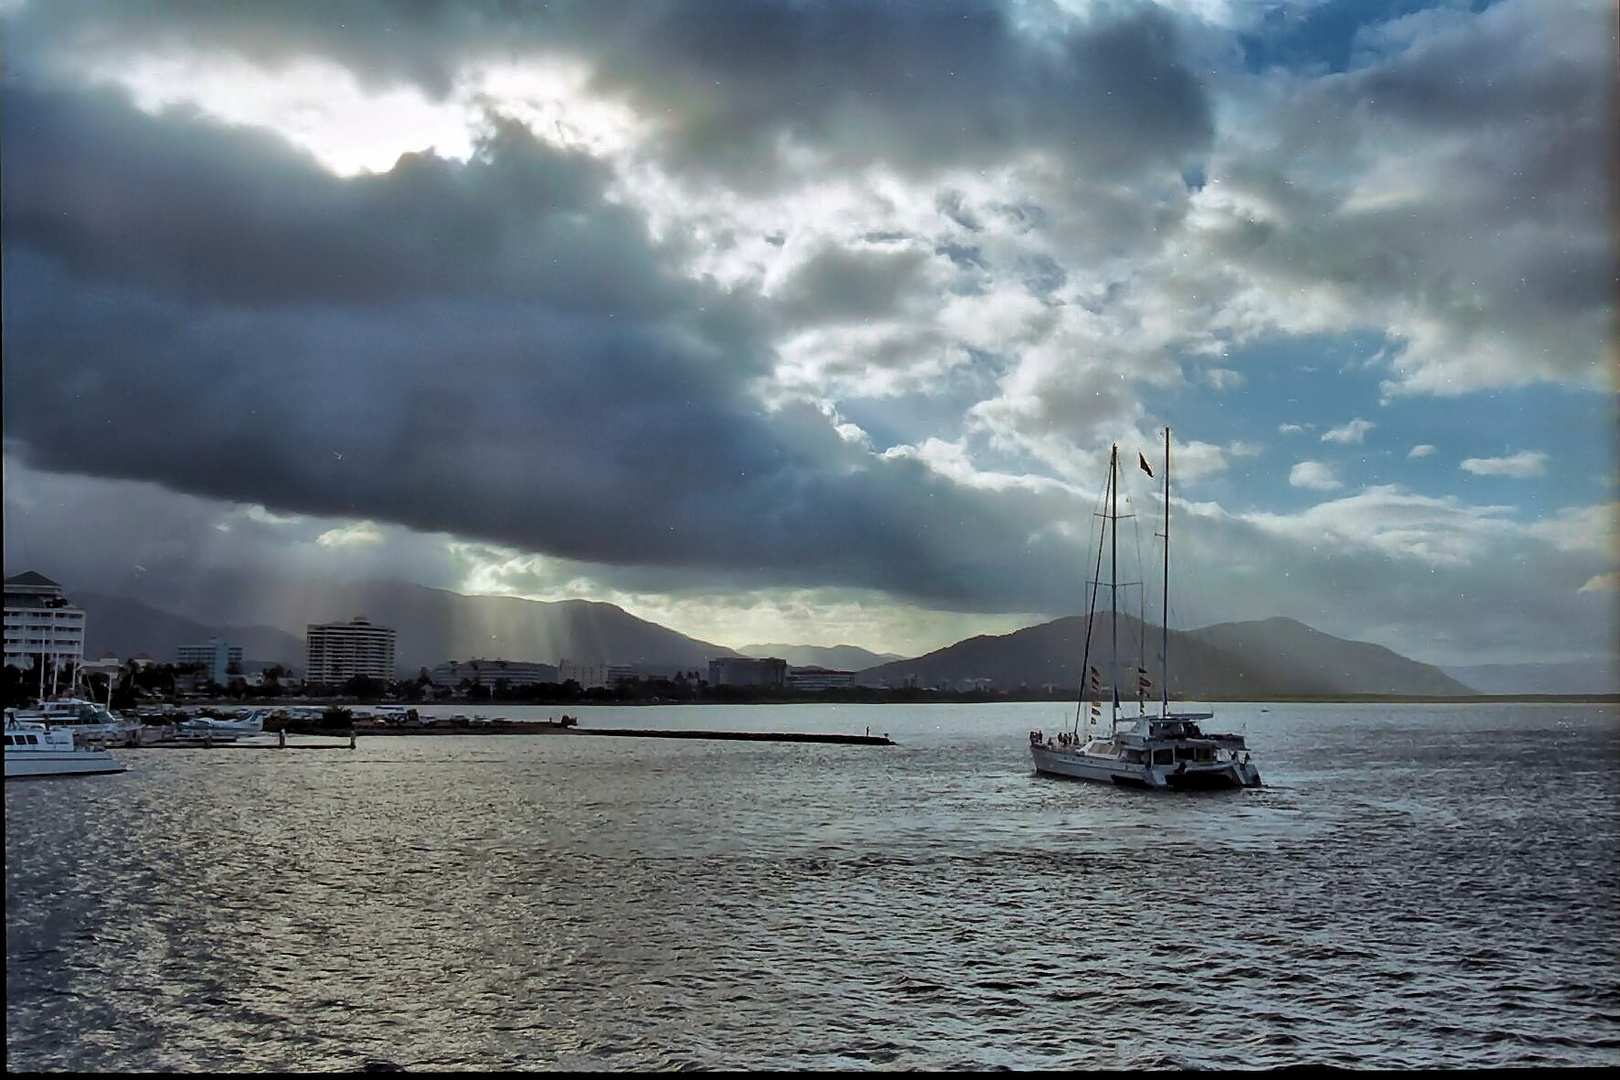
x=88, y=721
x=36, y=749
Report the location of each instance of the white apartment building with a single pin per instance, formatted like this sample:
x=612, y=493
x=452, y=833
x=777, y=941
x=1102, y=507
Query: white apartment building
x=337, y=652
x=487, y=673
x=586, y=675
x=40, y=624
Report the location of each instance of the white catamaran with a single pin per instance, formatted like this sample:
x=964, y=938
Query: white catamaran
x=1169, y=750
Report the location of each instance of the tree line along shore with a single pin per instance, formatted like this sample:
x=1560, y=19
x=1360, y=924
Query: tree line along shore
x=174, y=686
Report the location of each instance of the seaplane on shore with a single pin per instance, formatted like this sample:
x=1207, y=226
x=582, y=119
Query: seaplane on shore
x=220, y=728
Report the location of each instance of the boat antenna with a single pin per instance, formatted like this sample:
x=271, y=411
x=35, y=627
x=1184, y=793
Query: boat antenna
x=1164, y=642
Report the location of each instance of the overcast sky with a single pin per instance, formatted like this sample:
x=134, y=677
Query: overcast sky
x=814, y=322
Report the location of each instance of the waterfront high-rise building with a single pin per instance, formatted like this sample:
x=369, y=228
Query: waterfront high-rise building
x=41, y=625
x=337, y=652
x=216, y=657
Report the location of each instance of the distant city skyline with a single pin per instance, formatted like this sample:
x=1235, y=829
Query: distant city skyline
x=813, y=323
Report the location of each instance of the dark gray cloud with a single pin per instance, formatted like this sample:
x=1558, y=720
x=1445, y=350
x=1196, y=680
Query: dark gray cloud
x=839, y=285
x=915, y=86
x=206, y=213
x=912, y=84
x=242, y=326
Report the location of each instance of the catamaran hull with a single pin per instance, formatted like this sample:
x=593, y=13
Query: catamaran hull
x=1230, y=776
x=1077, y=766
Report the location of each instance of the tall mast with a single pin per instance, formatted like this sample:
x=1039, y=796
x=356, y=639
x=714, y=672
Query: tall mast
x=1164, y=642
x=1113, y=576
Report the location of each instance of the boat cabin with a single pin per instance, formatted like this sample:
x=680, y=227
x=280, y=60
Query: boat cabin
x=1178, y=727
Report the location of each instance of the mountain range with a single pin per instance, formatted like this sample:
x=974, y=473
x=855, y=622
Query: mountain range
x=1271, y=658
x=126, y=628
x=432, y=625
x=1589, y=676
x=832, y=657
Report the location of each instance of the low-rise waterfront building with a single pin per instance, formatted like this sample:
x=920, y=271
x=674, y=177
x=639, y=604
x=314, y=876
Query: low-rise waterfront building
x=812, y=679
x=108, y=664
x=747, y=671
x=481, y=672
x=588, y=676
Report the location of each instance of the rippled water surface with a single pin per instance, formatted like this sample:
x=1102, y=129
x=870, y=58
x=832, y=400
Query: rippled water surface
x=1430, y=886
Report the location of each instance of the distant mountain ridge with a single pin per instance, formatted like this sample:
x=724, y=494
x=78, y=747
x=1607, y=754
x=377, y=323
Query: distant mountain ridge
x=126, y=628
x=1594, y=675
x=834, y=657
x=1272, y=658
x=433, y=625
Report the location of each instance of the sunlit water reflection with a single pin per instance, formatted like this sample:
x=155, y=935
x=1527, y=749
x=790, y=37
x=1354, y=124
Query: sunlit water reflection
x=1416, y=886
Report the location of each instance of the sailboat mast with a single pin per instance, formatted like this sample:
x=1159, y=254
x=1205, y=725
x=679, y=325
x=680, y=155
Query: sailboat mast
x=1164, y=641
x=1113, y=576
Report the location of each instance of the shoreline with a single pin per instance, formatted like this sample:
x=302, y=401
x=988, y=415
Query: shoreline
x=281, y=704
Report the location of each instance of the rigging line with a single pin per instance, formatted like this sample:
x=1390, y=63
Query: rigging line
x=1140, y=642
x=1091, y=614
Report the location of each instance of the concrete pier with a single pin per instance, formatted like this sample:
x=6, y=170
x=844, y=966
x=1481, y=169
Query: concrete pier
x=209, y=742
x=499, y=727
x=746, y=736
x=507, y=727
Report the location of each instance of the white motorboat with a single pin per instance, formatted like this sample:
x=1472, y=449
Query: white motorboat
x=88, y=721
x=1167, y=750
x=36, y=749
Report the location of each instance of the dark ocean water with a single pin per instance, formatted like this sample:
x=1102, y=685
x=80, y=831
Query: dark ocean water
x=1416, y=886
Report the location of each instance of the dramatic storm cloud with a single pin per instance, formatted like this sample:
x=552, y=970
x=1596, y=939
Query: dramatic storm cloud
x=814, y=321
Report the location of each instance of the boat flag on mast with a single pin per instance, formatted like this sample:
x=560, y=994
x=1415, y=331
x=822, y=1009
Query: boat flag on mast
x=1141, y=457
